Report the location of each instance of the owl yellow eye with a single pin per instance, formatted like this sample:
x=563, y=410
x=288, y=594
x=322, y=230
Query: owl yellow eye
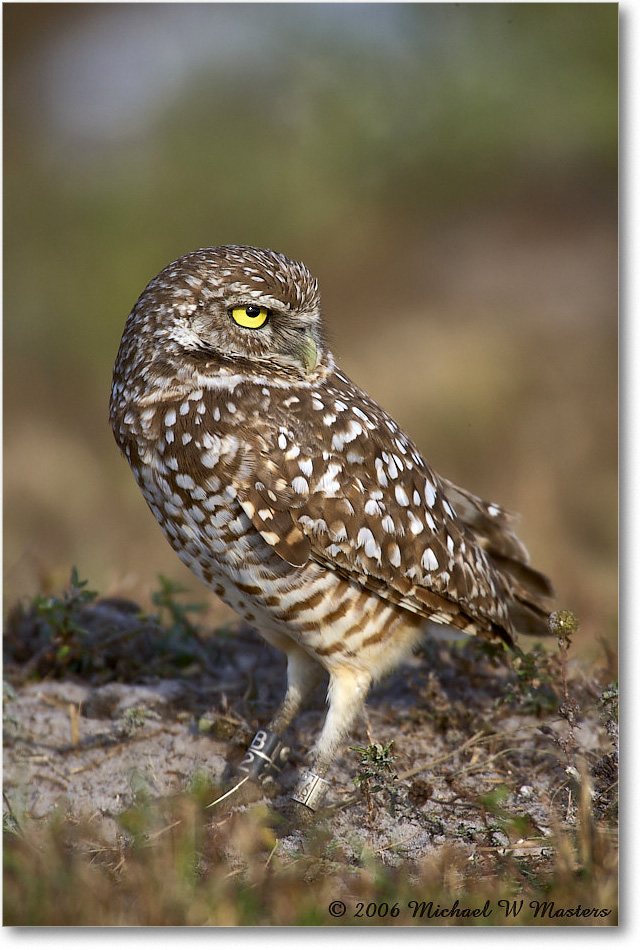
x=250, y=316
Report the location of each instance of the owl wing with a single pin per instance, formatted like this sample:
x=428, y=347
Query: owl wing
x=269, y=507
x=376, y=516
x=353, y=493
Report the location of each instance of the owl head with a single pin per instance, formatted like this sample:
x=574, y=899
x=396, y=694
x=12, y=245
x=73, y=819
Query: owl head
x=225, y=304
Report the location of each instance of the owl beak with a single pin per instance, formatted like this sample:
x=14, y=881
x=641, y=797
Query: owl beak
x=308, y=352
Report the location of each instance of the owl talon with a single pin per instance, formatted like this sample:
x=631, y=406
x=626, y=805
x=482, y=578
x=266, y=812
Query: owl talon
x=264, y=758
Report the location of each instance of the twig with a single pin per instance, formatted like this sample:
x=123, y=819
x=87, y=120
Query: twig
x=228, y=793
x=112, y=751
x=156, y=834
x=396, y=844
x=276, y=844
x=447, y=755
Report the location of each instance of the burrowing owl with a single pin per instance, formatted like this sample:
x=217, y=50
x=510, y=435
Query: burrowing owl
x=294, y=496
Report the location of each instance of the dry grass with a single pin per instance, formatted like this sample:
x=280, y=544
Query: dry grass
x=177, y=866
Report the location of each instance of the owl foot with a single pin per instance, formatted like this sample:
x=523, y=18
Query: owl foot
x=297, y=819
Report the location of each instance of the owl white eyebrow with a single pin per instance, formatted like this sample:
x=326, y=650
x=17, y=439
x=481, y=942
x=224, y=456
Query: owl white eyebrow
x=247, y=296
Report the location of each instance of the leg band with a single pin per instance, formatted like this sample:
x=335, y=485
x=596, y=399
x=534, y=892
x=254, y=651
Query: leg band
x=311, y=790
x=264, y=757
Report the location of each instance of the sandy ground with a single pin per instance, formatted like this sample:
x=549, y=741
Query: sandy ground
x=471, y=765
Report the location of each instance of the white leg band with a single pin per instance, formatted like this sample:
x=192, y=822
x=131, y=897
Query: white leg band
x=311, y=790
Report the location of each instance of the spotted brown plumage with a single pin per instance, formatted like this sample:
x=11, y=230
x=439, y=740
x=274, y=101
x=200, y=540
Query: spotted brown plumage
x=292, y=494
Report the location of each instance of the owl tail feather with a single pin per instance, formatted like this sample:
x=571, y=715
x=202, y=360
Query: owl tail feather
x=532, y=596
x=531, y=592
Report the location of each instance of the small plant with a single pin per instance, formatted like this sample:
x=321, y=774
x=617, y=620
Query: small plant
x=504, y=821
x=564, y=625
x=76, y=632
x=532, y=688
x=171, y=613
x=50, y=632
x=59, y=615
x=133, y=720
x=180, y=638
x=605, y=772
x=538, y=671
x=609, y=701
x=495, y=651
x=376, y=774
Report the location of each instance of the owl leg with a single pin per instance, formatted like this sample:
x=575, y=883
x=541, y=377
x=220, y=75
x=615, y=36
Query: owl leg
x=346, y=695
x=303, y=675
x=266, y=753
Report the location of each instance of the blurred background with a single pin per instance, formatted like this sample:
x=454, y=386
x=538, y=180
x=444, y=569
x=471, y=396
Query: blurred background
x=447, y=171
